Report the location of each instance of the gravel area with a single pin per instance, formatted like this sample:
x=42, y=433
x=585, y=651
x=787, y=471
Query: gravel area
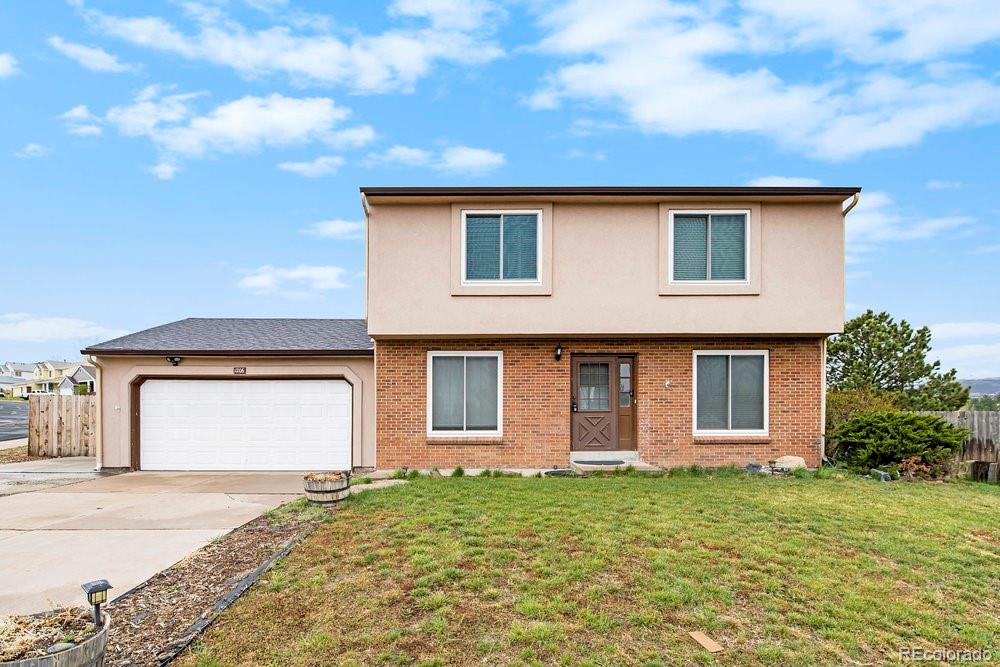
x=154, y=621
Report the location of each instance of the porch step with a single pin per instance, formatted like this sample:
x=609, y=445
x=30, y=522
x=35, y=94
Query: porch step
x=625, y=455
x=584, y=466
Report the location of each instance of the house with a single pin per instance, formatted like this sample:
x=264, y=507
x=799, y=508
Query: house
x=79, y=380
x=18, y=370
x=45, y=378
x=7, y=384
x=516, y=327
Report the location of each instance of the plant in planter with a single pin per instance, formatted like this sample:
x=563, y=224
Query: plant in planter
x=327, y=487
x=63, y=638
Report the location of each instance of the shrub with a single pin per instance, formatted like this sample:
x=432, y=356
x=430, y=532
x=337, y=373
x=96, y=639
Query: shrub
x=458, y=472
x=885, y=439
x=843, y=405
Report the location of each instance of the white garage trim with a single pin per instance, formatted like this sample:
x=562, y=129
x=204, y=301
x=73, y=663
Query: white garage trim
x=256, y=422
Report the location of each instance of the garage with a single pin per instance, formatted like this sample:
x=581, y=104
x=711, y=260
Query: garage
x=245, y=424
x=237, y=394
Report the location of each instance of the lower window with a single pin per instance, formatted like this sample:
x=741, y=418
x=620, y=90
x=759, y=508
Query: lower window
x=464, y=393
x=730, y=392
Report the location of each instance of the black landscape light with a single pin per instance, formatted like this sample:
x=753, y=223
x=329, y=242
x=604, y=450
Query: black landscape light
x=97, y=594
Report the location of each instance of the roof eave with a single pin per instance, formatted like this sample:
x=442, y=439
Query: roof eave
x=608, y=191
x=227, y=353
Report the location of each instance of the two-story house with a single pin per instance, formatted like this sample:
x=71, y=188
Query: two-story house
x=520, y=327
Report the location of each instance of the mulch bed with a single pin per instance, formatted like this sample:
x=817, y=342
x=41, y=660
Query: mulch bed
x=154, y=621
x=16, y=455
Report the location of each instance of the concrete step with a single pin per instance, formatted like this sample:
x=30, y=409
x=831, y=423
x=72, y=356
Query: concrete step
x=639, y=466
x=613, y=455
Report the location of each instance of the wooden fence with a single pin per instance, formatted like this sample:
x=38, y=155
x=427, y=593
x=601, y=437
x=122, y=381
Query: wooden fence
x=62, y=425
x=983, y=443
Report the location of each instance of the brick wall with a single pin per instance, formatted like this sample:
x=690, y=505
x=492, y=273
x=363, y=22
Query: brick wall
x=536, y=417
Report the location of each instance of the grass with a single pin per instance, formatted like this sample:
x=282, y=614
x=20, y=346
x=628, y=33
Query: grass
x=617, y=570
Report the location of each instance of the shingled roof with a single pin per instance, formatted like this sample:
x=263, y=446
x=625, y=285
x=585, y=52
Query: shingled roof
x=244, y=336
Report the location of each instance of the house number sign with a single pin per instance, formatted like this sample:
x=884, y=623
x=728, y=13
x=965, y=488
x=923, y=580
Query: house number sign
x=239, y=370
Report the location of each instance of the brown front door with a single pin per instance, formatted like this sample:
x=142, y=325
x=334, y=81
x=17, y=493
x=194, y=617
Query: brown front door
x=603, y=413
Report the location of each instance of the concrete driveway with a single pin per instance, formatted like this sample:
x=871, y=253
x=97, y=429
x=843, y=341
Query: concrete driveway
x=124, y=528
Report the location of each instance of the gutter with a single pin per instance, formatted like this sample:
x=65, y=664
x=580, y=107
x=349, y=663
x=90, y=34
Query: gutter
x=99, y=421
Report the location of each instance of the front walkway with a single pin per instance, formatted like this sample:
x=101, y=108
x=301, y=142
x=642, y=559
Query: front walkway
x=124, y=528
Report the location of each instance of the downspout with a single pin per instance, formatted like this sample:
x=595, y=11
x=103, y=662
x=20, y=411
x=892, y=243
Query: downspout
x=99, y=426
x=854, y=202
x=822, y=409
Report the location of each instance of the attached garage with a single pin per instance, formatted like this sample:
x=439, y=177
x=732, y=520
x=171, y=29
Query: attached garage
x=238, y=394
x=245, y=424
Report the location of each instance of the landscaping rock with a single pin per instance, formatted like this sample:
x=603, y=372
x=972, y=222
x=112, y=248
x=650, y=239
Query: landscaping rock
x=881, y=475
x=790, y=462
x=754, y=468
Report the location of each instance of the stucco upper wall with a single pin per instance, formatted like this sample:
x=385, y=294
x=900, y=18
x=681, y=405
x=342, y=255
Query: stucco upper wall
x=606, y=274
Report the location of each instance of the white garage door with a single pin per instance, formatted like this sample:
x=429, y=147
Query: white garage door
x=245, y=425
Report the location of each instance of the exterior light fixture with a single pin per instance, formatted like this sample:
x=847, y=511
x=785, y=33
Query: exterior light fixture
x=97, y=594
x=559, y=352
x=174, y=360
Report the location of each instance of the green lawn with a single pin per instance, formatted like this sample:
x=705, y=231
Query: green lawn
x=617, y=571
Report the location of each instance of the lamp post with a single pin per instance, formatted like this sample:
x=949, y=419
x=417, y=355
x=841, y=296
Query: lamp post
x=97, y=594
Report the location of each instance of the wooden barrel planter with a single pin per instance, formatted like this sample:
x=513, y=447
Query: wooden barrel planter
x=88, y=653
x=327, y=487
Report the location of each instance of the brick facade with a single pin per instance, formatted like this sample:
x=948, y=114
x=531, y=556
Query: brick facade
x=536, y=417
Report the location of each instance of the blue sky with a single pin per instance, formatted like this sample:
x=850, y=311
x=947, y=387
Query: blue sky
x=159, y=161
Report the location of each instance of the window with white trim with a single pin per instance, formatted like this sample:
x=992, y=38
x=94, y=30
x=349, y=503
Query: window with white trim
x=464, y=393
x=501, y=246
x=709, y=246
x=730, y=392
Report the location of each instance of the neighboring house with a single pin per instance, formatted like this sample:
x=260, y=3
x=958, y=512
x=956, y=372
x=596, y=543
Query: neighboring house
x=45, y=378
x=516, y=327
x=18, y=370
x=7, y=384
x=82, y=379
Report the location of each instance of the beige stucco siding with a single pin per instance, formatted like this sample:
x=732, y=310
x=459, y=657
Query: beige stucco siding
x=118, y=372
x=607, y=275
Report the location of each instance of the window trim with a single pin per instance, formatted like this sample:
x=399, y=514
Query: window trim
x=747, y=228
x=537, y=212
x=694, y=393
x=464, y=433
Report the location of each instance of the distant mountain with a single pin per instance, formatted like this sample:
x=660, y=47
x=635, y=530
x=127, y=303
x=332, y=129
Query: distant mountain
x=983, y=386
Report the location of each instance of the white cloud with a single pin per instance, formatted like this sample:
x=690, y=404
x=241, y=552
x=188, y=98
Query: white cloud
x=337, y=229
x=244, y=125
x=8, y=65
x=352, y=137
x=293, y=282
x=165, y=170
x=453, y=159
x=943, y=185
x=965, y=329
x=975, y=360
x=877, y=219
x=413, y=157
x=81, y=122
x=578, y=154
x=785, y=181
x=90, y=57
x=464, y=159
x=389, y=61
x=32, y=151
x=324, y=165
x=24, y=327
x=670, y=67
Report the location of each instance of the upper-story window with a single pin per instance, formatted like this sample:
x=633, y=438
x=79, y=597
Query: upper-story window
x=501, y=246
x=709, y=246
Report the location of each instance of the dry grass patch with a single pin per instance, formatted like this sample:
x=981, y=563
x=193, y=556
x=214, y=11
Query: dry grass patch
x=617, y=571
